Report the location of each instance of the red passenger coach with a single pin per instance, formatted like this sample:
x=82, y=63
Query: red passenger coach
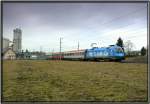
x=74, y=55
x=68, y=55
x=57, y=56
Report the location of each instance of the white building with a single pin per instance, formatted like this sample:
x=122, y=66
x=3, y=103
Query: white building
x=5, y=44
x=9, y=54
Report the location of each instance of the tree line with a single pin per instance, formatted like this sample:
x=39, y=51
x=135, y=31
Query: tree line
x=128, y=48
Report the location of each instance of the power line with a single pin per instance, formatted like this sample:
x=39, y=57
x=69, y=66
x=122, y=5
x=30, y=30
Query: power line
x=107, y=35
x=122, y=16
x=135, y=36
x=116, y=19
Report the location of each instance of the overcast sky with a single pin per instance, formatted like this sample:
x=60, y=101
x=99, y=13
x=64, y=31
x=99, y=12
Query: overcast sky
x=43, y=24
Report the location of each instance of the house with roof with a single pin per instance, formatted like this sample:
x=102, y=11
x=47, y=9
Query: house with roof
x=9, y=54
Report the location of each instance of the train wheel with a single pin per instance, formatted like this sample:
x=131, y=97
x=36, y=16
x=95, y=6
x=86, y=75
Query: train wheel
x=118, y=60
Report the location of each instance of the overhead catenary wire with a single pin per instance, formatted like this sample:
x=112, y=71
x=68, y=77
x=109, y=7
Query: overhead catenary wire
x=120, y=17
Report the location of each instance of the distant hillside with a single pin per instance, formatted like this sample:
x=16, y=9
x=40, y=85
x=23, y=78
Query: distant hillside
x=138, y=59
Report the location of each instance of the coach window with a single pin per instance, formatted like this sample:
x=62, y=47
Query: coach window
x=76, y=53
x=82, y=53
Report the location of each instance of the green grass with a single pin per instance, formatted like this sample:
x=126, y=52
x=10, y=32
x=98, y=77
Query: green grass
x=137, y=59
x=32, y=80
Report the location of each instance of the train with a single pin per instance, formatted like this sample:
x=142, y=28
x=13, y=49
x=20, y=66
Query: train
x=111, y=53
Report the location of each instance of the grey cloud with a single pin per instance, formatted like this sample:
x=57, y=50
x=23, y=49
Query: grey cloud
x=75, y=20
x=67, y=15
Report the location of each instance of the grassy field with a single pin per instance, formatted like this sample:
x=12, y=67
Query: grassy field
x=138, y=59
x=33, y=80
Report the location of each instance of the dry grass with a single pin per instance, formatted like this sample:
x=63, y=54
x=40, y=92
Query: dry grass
x=137, y=59
x=32, y=80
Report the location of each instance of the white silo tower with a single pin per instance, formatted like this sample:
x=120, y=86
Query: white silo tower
x=17, y=40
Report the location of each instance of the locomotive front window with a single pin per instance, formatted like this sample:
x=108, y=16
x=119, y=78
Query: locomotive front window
x=119, y=50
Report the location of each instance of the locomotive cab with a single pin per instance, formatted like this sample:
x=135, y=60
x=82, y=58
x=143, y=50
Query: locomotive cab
x=117, y=53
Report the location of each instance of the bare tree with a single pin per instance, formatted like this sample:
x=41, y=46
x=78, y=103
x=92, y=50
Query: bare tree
x=128, y=47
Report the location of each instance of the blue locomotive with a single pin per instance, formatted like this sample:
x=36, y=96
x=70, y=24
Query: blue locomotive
x=113, y=52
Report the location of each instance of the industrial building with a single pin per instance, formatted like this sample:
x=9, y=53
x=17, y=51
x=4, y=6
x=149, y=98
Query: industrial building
x=17, y=40
x=5, y=44
x=10, y=51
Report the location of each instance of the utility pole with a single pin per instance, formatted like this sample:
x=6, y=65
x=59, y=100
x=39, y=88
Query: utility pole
x=60, y=46
x=40, y=49
x=78, y=46
x=52, y=53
